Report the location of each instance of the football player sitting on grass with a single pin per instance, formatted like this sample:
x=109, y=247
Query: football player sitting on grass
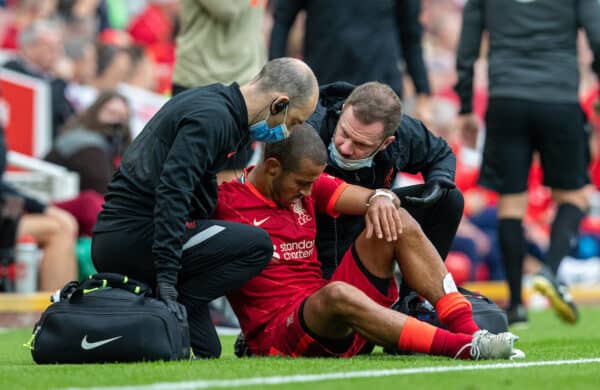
x=289, y=309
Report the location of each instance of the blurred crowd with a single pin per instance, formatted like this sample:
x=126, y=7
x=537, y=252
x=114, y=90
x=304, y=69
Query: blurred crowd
x=86, y=48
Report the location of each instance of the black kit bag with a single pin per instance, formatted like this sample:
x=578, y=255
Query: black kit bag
x=108, y=318
x=486, y=313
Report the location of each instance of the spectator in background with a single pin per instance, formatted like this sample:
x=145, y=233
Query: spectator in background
x=53, y=229
x=533, y=83
x=142, y=73
x=25, y=13
x=155, y=28
x=358, y=41
x=90, y=15
x=81, y=57
x=156, y=24
x=40, y=50
x=92, y=142
x=83, y=18
x=220, y=42
x=114, y=67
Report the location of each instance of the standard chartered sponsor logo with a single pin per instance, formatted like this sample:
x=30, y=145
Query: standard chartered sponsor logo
x=296, y=250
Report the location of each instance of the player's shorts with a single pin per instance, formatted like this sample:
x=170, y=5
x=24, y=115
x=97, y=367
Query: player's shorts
x=288, y=335
x=515, y=128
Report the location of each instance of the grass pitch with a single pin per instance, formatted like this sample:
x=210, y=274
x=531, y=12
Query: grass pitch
x=546, y=339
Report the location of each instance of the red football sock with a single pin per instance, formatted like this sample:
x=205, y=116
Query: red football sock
x=449, y=344
x=454, y=311
x=418, y=336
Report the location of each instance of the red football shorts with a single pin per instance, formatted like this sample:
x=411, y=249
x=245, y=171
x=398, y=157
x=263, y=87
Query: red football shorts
x=288, y=336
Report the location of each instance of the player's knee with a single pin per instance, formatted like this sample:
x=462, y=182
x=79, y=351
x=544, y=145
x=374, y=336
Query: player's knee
x=69, y=226
x=410, y=227
x=262, y=248
x=578, y=198
x=339, y=295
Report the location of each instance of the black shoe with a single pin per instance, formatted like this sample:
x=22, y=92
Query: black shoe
x=517, y=315
x=240, y=348
x=557, y=293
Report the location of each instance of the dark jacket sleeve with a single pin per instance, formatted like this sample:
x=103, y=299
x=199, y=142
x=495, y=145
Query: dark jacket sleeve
x=192, y=152
x=468, y=52
x=410, y=38
x=419, y=150
x=588, y=14
x=283, y=18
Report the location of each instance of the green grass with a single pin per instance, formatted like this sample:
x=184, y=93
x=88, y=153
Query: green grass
x=545, y=339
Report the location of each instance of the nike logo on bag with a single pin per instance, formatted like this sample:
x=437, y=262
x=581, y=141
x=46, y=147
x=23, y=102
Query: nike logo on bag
x=258, y=223
x=87, y=345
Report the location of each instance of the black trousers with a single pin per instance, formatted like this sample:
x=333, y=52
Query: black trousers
x=218, y=257
x=440, y=221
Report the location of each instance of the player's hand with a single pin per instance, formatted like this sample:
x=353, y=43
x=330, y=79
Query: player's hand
x=433, y=190
x=383, y=219
x=168, y=294
x=469, y=126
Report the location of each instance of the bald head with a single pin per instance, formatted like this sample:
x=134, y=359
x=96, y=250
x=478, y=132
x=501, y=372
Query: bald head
x=289, y=76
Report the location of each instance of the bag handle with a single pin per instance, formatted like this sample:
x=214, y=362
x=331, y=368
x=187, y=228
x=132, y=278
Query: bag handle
x=113, y=280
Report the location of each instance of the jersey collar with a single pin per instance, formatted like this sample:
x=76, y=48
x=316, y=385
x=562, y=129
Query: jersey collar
x=244, y=180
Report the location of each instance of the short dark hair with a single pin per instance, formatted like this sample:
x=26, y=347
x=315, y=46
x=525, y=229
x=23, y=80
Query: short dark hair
x=303, y=143
x=376, y=102
x=287, y=75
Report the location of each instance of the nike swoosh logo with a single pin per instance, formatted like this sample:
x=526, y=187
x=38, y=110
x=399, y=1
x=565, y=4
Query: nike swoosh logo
x=258, y=223
x=87, y=345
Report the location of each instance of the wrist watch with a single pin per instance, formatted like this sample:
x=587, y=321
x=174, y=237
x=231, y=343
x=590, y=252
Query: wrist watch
x=381, y=192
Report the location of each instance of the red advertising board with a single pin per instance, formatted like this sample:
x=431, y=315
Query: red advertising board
x=25, y=113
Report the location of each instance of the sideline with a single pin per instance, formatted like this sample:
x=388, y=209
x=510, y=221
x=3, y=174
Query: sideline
x=302, y=378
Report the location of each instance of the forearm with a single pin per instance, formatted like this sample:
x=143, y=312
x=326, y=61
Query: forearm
x=356, y=200
x=468, y=52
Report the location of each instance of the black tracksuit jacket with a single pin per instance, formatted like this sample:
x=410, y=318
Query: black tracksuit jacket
x=415, y=150
x=168, y=174
x=532, y=48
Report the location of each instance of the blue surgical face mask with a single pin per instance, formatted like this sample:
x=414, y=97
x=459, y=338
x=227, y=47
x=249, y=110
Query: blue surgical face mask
x=260, y=131
x=347, y=164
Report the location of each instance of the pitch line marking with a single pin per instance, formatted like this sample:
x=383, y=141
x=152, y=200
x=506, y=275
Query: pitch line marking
x=278, y=380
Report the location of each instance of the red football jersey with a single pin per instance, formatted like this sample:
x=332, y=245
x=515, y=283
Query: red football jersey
x=294, y=271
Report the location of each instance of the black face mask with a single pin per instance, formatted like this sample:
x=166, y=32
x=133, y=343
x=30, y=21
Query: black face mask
x=117, y=136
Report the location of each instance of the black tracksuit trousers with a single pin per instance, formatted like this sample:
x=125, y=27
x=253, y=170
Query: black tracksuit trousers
x=218, y=257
